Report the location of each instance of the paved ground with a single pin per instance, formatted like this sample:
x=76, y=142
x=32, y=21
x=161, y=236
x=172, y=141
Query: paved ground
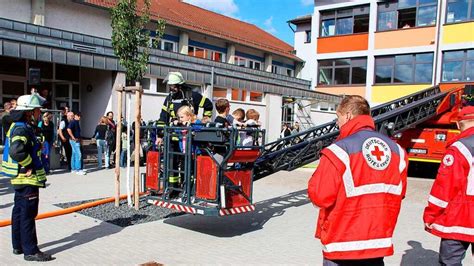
x=279, y=232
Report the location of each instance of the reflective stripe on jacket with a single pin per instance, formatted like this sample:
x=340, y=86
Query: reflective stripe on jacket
x=450, y=209
x=359, y=186
x=32, y=148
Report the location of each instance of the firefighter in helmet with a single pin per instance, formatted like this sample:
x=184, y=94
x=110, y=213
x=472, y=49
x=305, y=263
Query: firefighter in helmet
x=180, y=95
x=22, y=162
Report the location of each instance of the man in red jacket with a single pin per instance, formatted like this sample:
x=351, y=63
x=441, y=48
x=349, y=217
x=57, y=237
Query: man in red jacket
x=450, y=210
x=358, y=186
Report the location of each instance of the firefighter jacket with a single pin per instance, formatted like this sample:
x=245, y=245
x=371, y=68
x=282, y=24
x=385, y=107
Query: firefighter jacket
x=450, y=209
x=23, y=152
x=358, y=186
x=174, y=101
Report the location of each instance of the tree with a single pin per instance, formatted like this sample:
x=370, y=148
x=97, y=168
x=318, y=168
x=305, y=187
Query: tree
x=131, y=38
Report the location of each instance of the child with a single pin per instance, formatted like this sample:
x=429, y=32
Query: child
x=223, y=109
x=186, y=119
x=252, y=121
x=238, y=115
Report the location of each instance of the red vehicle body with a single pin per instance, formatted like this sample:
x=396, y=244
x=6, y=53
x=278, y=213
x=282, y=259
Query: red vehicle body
x=427, y=142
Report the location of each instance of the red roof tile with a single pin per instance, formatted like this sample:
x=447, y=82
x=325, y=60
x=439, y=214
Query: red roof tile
x=187, y=16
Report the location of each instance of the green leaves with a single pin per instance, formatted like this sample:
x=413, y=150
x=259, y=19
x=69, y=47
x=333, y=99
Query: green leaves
x=131, y=38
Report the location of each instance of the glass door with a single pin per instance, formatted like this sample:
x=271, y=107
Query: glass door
x=67, y=94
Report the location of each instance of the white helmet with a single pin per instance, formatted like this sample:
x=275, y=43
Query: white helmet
x=174, y=78
x=29, y=102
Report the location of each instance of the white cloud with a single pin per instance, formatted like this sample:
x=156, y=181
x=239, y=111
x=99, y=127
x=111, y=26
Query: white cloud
x=307, y=2
x=268, y=23
x=224, y=7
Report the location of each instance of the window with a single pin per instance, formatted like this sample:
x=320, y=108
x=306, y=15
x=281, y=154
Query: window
x=13, y=66
x=254, y=64
x=275, y=69
x=256, y=96
x=244, y=62
x=344, y=21
x=404, y=14
x=164, y=45
x=290, y=72
x=308, y=36
x=409, y=68
x=348, y=71
x=219, y=93
x=206, y=54
x=239, y=95
x=145, y=83
x=160, y=86
x=66, y=72
x=458, y=65
x=458, y=11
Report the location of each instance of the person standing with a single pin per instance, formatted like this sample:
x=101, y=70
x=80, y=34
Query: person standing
x=110, y=137
x=22, y=163
x=99, y=135
x=66, y=117
x=450, y=210
x=74, y=131
x=46, y=127
x=180, y=95
x=6, y=113
x=358, y=186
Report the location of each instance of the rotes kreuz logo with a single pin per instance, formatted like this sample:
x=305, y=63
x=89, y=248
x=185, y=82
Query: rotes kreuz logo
x=376, y=153
x=448, y=160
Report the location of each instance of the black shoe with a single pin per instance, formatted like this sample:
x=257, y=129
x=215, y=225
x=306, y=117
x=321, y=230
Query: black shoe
x=17, y=251
x=40, y=256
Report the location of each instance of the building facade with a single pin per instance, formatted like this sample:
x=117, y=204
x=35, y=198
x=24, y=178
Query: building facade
x=383, y=50
x=69, y=41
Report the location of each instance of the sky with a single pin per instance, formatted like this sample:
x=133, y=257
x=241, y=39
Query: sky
x=269, y=15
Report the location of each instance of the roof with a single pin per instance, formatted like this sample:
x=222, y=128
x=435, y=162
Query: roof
x=301, y=19
x=190, y=17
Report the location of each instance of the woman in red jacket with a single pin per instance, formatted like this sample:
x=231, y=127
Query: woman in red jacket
x=450, y=210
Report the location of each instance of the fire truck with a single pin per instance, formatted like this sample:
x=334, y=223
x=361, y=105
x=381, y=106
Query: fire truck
x=217, y=172
x=426, y=143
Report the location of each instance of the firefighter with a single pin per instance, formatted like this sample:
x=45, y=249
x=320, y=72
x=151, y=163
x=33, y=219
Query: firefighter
x=450, y=210
x=22, y=162
x=358, y=186
x=180, y=95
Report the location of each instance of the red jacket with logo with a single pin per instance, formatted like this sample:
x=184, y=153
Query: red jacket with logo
x=358, y=186
x=450, y=209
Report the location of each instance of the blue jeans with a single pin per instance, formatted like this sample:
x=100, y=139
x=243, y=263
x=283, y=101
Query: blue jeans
x=123, y=158
x=76, y=158
x=102, y=147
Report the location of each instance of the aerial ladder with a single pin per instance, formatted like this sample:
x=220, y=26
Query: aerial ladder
x=224, y=187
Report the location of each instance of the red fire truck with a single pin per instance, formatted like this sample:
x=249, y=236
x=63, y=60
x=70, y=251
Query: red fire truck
x=427, y=142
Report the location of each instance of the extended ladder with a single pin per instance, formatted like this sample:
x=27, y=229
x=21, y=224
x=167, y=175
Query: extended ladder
x=390, y=118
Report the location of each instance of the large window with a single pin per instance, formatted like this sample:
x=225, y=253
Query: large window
x=458, y=65
x=345, y=21
x=460, y=10
x=206, y=54
x=249, y=63
x=406, y=14
x=410, y=68
x=164, y=45
x=349, y=71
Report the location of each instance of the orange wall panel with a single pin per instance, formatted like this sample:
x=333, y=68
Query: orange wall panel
x=405, y=38
x=346, y=43
x=352, y=90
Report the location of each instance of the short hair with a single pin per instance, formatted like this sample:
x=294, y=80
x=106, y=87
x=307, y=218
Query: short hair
x=252, y=114
x=221, y=105
x=7, y=105
x=239, y=112
x=104, y=120
x=109, y=112
x=354, y=104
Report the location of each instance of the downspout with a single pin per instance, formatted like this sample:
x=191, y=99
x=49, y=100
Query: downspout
x=438, y=31
x=289, y=25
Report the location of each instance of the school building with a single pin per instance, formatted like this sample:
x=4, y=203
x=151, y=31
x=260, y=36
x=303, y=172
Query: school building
x=70, y=42
x=383, y=50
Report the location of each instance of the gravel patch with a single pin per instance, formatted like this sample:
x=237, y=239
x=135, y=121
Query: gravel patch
x=123, y=215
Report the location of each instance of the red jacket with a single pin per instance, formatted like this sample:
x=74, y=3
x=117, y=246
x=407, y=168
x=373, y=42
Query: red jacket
x=450, y=208
x=358, y=186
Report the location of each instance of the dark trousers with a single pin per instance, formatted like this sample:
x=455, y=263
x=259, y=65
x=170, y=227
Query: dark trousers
x=23, y=220
x=68, y=152
x=452, y=252
x=363, y=262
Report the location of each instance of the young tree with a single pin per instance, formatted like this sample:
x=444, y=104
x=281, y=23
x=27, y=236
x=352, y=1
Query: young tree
x=131, y=38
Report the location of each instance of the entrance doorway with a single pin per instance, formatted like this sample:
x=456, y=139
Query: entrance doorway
x=67, y=94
